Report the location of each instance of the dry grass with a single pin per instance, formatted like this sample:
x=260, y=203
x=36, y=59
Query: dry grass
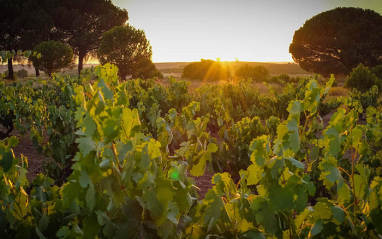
x=338, y=91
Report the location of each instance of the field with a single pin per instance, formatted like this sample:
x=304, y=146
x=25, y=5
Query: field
x=188, y=159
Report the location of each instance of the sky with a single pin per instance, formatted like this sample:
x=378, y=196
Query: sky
x=243, y=30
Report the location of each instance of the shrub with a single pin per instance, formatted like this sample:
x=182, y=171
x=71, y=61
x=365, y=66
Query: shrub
x=377, y=71
x=361, y=79
x=206, y=70
x=22, y=73
x=258, y=73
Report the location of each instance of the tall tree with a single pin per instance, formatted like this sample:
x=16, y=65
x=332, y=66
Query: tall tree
x=81, y=23
x=24, y=23
x=127, y=48
x=338, y=40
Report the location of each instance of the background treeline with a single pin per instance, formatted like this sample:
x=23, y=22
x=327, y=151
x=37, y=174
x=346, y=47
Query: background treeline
x=58, y=29
x=209, y=70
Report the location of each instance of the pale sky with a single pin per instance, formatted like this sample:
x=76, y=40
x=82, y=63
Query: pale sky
x=246, y=30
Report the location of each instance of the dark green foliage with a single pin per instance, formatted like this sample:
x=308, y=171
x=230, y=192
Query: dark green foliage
x=129, y=49
x=257, y=73
x=207, y=70
x=362, y=79
x=54, y=57
x=336, y=41
x=22, y=73
x=146, y=69
x=377, y=71
x=233, y=154
x=284, y=79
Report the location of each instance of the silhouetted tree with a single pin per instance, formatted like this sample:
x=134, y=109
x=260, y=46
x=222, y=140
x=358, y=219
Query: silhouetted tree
x=206, y=70
x=338, y=40
x=54, y=56
x=24, y=23
x=81, y=23
x=127, y=48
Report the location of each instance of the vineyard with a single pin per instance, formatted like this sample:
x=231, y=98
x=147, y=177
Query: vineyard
x=122, y=157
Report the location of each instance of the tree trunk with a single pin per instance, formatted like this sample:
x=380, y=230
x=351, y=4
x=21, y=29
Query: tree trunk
x=37, y=72
x=81, y=56
x=10, y=69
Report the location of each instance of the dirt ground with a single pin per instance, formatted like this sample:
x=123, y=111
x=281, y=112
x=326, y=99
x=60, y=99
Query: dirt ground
x=26, y=148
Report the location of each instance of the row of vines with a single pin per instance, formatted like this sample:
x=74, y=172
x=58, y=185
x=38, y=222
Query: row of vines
x=120, y=156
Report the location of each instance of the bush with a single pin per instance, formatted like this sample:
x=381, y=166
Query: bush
x=5, y=75
x=362, y=79
x=257, y=73
x=22, y=73
x=206, y=70
x=283, y=79
x=377, y=71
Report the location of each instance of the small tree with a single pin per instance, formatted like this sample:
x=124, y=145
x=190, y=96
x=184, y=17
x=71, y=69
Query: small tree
x=54, y=57
x=127, y=48
x=22, y=73
x=361, y=79
x=258, y=73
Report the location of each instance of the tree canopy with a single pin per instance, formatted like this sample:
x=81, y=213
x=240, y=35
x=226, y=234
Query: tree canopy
x=127, y=48
x=24, y=23
x=54, y=56
x=81, y=23
x=338, y=40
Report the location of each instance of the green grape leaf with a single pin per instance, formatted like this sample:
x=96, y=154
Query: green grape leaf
x=199, y=168
x=295, y=108
x=20, y=206
x=84, y=179
x=214, y=207
x=333, y=139
x=317, y=227
x=89, y=125
x=265, y=215
x=260, y=150
x=295, y=163
x=86, y=145
x=64, y=232
x=343, y=192
x=330, y=173
x=91, y=197
x=7, y=160
x=255, y=174
x=338, y=214
x=212, y=148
